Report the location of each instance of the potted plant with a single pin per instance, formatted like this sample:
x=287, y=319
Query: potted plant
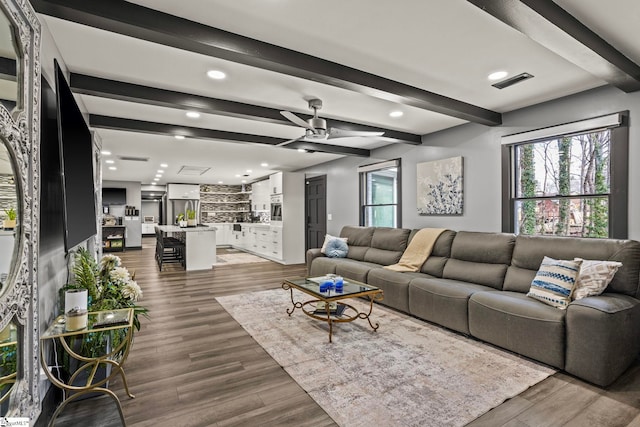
x=109, y=286
x=181, y=221
x=191, y=218
x=10, y=221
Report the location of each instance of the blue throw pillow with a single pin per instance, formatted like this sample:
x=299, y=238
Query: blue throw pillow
x=336, y=248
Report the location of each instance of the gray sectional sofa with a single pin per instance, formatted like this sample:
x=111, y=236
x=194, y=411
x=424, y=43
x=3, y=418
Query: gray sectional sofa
x=476, y=283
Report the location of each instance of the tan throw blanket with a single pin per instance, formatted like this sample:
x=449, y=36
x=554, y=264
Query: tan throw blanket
x=418, y=250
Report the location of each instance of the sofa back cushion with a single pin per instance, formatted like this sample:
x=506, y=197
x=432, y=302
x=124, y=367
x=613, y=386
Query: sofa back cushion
x=387, y=245
x=359, y=240
x=530, y=250
x=434, y=265
x=480, y=258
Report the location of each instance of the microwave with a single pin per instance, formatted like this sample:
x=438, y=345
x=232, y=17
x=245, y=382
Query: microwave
x=276, y=208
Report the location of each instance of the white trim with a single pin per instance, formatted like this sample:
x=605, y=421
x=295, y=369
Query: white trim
x=380, y=165
x=603, y=122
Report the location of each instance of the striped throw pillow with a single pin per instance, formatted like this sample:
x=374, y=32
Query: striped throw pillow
x=555, y=281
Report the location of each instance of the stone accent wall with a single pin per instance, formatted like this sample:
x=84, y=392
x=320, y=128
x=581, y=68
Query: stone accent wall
x=224, y=203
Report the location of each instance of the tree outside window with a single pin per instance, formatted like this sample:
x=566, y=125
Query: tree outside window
x=563, y=186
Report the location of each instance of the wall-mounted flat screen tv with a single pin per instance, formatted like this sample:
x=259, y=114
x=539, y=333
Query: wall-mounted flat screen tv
x=114, y=196
x=51, y=192
x=76, y=158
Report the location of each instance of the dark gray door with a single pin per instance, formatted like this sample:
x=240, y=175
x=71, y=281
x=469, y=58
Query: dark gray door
x=316, y=210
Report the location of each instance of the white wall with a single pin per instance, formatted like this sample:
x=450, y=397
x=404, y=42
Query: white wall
x=480, y=147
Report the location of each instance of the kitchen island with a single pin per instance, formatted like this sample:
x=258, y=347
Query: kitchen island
x=200, y=244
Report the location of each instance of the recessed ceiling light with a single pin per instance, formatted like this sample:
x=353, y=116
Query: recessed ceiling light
x=158, y=176
x=220, y=182
x=497, y=75
x=264, y=165
x=249, y=171
x=113, y=168
x=110, y=161
x=160, y=171
x=152, y=194
x=156, y=179
x=243, y=181
x=301, y=150
x=105, y=153
x=237, y=175
x=182, y=136
x=193, y=114
x=163, y=165
x=396, y=114
x=216, y=74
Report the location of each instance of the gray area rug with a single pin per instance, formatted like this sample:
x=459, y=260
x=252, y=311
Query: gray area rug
x=238, y=258
x=408, y=373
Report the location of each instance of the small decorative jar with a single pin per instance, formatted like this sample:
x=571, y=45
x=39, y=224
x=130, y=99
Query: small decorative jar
x=76, y=319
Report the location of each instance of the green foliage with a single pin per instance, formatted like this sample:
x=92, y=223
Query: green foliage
x=598, y=225
x=180, y=217
x=191, y=214
x=527, y=189
x=85, y=273
x=11, y=214
x=564, y=184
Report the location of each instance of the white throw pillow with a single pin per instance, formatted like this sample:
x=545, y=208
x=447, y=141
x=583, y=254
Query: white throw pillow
x=328, y=238
x=594, y=277
x=555, y=281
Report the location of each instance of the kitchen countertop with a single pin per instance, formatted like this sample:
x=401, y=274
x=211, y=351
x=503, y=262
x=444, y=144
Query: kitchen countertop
x=176, y=229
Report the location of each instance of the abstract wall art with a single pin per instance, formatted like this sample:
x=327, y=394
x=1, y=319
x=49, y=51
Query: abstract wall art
x=439, y=185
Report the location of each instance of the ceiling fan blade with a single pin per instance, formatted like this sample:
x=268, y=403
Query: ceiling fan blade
x=335, y=133
x=297, y=120
x=284, y=143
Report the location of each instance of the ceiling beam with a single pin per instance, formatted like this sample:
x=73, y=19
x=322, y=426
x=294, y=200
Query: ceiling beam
x=130, y=125
x=554, y=28
x=112, y=89
x=328, y=148
x=147, y=24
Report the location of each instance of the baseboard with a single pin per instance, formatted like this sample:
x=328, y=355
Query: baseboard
x=134, y=248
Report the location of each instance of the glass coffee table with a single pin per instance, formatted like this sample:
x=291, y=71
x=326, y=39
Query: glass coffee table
x=329, y=306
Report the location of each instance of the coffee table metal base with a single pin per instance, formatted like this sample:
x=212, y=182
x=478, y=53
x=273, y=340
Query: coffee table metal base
x=349, y=315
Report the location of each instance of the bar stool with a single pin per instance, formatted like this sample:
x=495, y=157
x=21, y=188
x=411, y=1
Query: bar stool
x=169, y=250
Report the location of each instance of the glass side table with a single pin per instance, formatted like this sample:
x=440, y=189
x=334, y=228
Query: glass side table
x=105, y=342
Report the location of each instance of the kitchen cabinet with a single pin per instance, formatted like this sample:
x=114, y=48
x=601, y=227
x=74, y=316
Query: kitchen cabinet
x=183, y=191
x=149, y=227
x=223, y=234
x=275, y=183
x=260, y=193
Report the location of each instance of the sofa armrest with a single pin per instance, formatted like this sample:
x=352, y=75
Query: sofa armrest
x=311, y=255
x=603, y=337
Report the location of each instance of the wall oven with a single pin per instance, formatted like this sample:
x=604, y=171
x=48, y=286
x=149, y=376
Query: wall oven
x=276, y=208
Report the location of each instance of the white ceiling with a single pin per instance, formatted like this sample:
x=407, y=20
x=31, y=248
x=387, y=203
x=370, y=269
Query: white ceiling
x=447, y=47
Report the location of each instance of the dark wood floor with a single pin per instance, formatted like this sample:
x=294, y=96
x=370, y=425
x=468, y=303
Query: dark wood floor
x=193, y=365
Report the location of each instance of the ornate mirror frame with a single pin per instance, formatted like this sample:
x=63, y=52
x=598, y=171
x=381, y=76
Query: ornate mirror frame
x=19, y=131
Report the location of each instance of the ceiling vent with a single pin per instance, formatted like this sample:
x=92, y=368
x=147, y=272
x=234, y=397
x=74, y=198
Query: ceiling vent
x=512, y=80
x=193, y=170
x=134, y=159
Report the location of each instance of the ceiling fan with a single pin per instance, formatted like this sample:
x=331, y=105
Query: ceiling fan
x=316, y=128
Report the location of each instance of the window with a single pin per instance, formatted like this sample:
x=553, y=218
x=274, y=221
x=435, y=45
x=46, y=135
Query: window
x=380, y=194
x=572, y=183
